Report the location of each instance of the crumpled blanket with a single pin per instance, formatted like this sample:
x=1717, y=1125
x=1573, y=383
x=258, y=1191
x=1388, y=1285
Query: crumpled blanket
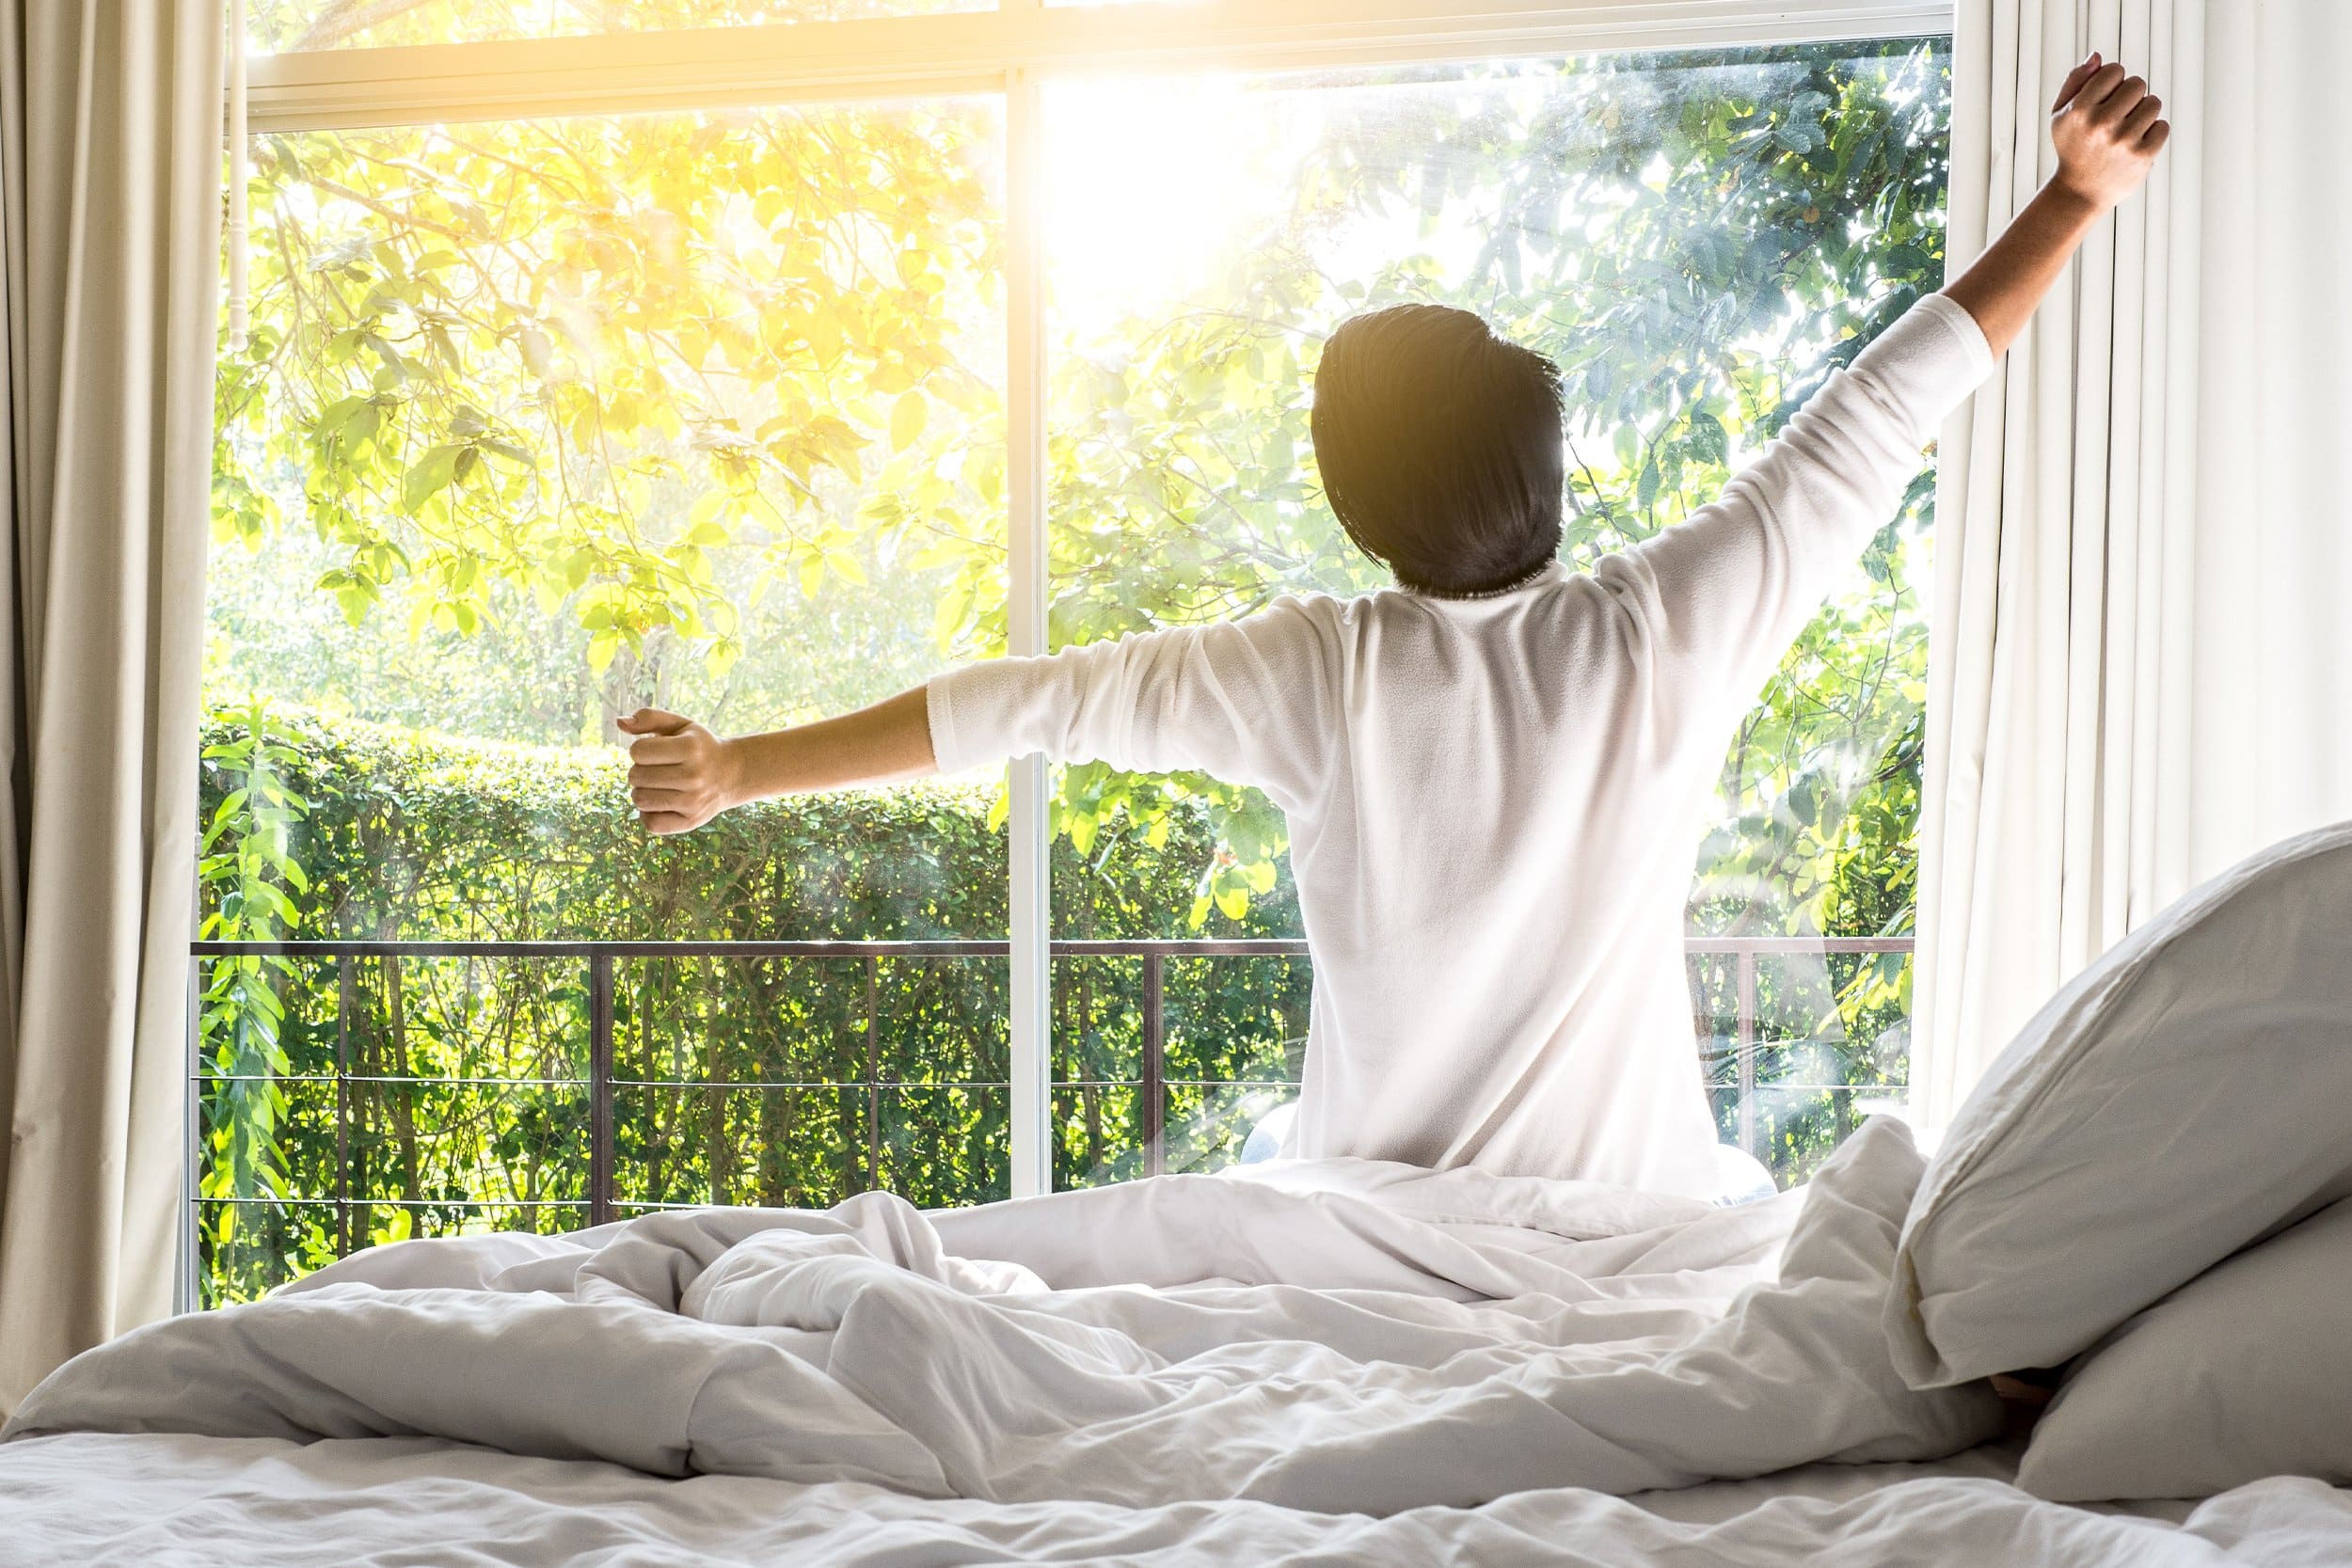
x=1338, y=1335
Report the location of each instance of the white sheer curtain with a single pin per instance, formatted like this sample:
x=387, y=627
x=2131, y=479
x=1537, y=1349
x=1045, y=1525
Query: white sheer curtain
x=2137, y=670
x=110, y=187
x=2272, y=627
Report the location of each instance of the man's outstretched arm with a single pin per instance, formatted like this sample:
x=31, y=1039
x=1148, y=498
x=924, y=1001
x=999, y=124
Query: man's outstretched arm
x=681, y=775
x=1249, y=700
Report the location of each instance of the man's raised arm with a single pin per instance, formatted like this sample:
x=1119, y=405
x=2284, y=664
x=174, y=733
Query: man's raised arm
x=2107, y=129
x=1712, y=603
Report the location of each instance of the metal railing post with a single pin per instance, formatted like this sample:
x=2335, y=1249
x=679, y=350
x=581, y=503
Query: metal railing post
x=1154, y=1088
x=346, y=999
x=1745, y=1045
x=187, y=1285
x=873, y=1073
x=599, y=1087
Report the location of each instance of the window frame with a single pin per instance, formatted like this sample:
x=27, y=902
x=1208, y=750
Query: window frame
x=1009, y=52
x=998, y=51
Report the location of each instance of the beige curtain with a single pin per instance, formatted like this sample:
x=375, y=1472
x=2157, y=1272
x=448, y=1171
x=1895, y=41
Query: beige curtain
x=2138, y=666
x=110, y=187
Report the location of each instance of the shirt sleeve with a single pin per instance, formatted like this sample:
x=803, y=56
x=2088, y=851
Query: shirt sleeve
x=1251, y=702
x=1715, y=600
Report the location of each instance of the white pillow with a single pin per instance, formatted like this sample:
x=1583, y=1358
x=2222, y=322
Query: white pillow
x=2242, y=1373
x=2181, y=1098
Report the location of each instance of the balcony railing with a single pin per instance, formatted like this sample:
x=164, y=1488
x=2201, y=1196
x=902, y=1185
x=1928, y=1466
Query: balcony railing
x=1742, y=1047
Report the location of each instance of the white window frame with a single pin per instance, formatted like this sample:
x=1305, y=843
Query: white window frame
x=1010, y=52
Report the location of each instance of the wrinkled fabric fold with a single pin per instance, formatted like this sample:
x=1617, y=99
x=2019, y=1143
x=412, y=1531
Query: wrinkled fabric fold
x=1335, y=1336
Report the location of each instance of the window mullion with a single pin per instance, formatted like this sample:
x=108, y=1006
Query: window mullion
x=1028, y=838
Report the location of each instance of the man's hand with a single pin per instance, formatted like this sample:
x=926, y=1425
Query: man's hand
x=2107, y=128
x=680, y=775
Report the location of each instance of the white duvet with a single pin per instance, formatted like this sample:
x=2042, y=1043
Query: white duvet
x=1317, y=1363
x=1337, y=1337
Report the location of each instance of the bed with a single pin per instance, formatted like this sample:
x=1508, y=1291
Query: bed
x=1299, y=1362
x=1351, y=1361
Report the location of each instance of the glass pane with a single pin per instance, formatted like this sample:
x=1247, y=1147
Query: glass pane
x=1233, y=1030
x=275, y=26
x=1827, y=1044
x=1696, y=238
x=539, y=423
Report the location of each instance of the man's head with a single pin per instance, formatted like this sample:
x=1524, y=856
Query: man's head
x=1440, y=448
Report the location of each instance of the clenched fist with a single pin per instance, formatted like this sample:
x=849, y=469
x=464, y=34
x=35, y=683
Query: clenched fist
x=2107, y=128
x=680, y=775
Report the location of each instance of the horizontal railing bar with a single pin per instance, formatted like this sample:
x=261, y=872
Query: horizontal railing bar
x=1225, y=1083
x=705, y=1084
x=669, y=1204
x=1892, y=1091
x=1798, y=945
x=1775, y=1047
x=1179, y=947
x=1768, y=1048
x=329, y=1080
x=397, y=1202
x=342, y=947
x=976, y=947
x=312, y=1079
x=1176, y=1082
x=379, y=1077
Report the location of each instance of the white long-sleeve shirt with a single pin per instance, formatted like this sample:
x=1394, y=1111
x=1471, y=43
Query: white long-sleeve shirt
x=1494, y=802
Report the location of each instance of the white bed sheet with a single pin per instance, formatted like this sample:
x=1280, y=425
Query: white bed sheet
x=160, y=1501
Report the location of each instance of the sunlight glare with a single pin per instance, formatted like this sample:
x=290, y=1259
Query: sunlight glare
x=1142, y=177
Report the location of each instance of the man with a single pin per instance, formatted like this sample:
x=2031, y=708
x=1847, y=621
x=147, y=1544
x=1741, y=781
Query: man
x=1490, y=770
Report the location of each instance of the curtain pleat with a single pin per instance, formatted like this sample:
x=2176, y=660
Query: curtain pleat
x=110, y=144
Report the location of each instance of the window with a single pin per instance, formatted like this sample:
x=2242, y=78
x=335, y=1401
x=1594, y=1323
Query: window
x=541, y=421
x=757, y=412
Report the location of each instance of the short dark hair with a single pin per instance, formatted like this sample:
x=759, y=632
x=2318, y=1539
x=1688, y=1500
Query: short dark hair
x=1440, y=448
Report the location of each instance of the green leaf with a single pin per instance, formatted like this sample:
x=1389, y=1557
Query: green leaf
x=428, y=476
x=948, y=617
x=907, y=418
